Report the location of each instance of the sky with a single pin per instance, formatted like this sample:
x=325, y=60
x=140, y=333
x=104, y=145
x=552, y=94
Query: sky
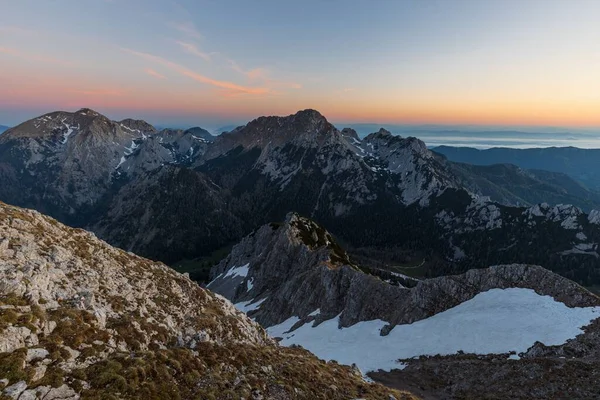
x=211, y=63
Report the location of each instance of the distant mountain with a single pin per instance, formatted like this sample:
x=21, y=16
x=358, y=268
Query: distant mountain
x=226, y=128
x=299, y=283
x=4, y=128
x=62, y=163
x=511, y=185
x=580, y=164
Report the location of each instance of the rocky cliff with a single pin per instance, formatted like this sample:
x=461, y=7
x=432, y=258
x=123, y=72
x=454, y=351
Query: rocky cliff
x=80, y=319
x=297, y=267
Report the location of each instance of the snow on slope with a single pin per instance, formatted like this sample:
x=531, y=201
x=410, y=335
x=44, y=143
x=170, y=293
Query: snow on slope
x=238, y=271
x=247, y=306
x=493, y=322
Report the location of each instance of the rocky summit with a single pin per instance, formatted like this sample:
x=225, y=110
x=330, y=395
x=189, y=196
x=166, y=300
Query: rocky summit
x=81, y=319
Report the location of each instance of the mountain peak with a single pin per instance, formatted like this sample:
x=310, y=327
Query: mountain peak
x=349, y=132
x=310, y=114
x=382, y=133
x=88, y=112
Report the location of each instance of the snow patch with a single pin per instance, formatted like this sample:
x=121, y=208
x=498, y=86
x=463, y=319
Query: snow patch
x=493, y=322
x=67, y=134
x=121, y=162
x=238, y=271
x=581, y=236
x=129, y=150
x=247, y=306
x=315, y=313
x=594, y=217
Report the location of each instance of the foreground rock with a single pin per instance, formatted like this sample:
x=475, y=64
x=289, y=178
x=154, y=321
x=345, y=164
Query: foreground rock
x=80, y=319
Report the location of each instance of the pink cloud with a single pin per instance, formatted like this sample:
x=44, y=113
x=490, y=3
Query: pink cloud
x=199, y=77
x=155, y=74
x=192, y=49
x=263, y=75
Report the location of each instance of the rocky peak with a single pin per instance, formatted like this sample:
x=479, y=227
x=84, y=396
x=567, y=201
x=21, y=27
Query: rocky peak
x=200, y=133
x=305, y=124
x=380, y=134
x=350, y=133
x=306, y=129
x=88, y=112
x=137, y=125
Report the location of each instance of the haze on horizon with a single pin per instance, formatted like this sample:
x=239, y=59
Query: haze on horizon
x=186, y=62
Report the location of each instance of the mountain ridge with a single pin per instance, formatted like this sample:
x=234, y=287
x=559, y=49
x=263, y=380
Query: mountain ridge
x=579, y=164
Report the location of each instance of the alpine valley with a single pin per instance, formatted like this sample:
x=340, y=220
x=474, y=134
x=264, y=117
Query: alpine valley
x=408, y=275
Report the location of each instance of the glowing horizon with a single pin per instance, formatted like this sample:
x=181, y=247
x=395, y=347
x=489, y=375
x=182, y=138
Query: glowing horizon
x=461, y=62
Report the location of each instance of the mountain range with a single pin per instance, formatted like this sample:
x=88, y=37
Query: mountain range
x=3, y=128
x=181, y=195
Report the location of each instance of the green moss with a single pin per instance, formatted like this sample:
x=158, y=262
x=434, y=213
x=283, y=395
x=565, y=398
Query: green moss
x=13, y=300
x=7, y=318
x=12, y=366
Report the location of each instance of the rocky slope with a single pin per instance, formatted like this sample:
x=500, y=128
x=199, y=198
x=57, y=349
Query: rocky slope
x=513, y=331
x=80, y=319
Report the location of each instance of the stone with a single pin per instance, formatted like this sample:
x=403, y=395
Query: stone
x=36, y=354
x=13, y=391
x=39, y=372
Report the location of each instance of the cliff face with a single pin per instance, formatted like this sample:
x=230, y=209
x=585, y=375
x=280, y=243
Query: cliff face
x=297, y=267
x=79, y=318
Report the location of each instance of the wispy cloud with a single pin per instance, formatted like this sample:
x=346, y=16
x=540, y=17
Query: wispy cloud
x=348, y=90
x=228, y=87
x=262, y=75
x=188, y=29
x=35, y=57
x=193, y=49
x=154, y=73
